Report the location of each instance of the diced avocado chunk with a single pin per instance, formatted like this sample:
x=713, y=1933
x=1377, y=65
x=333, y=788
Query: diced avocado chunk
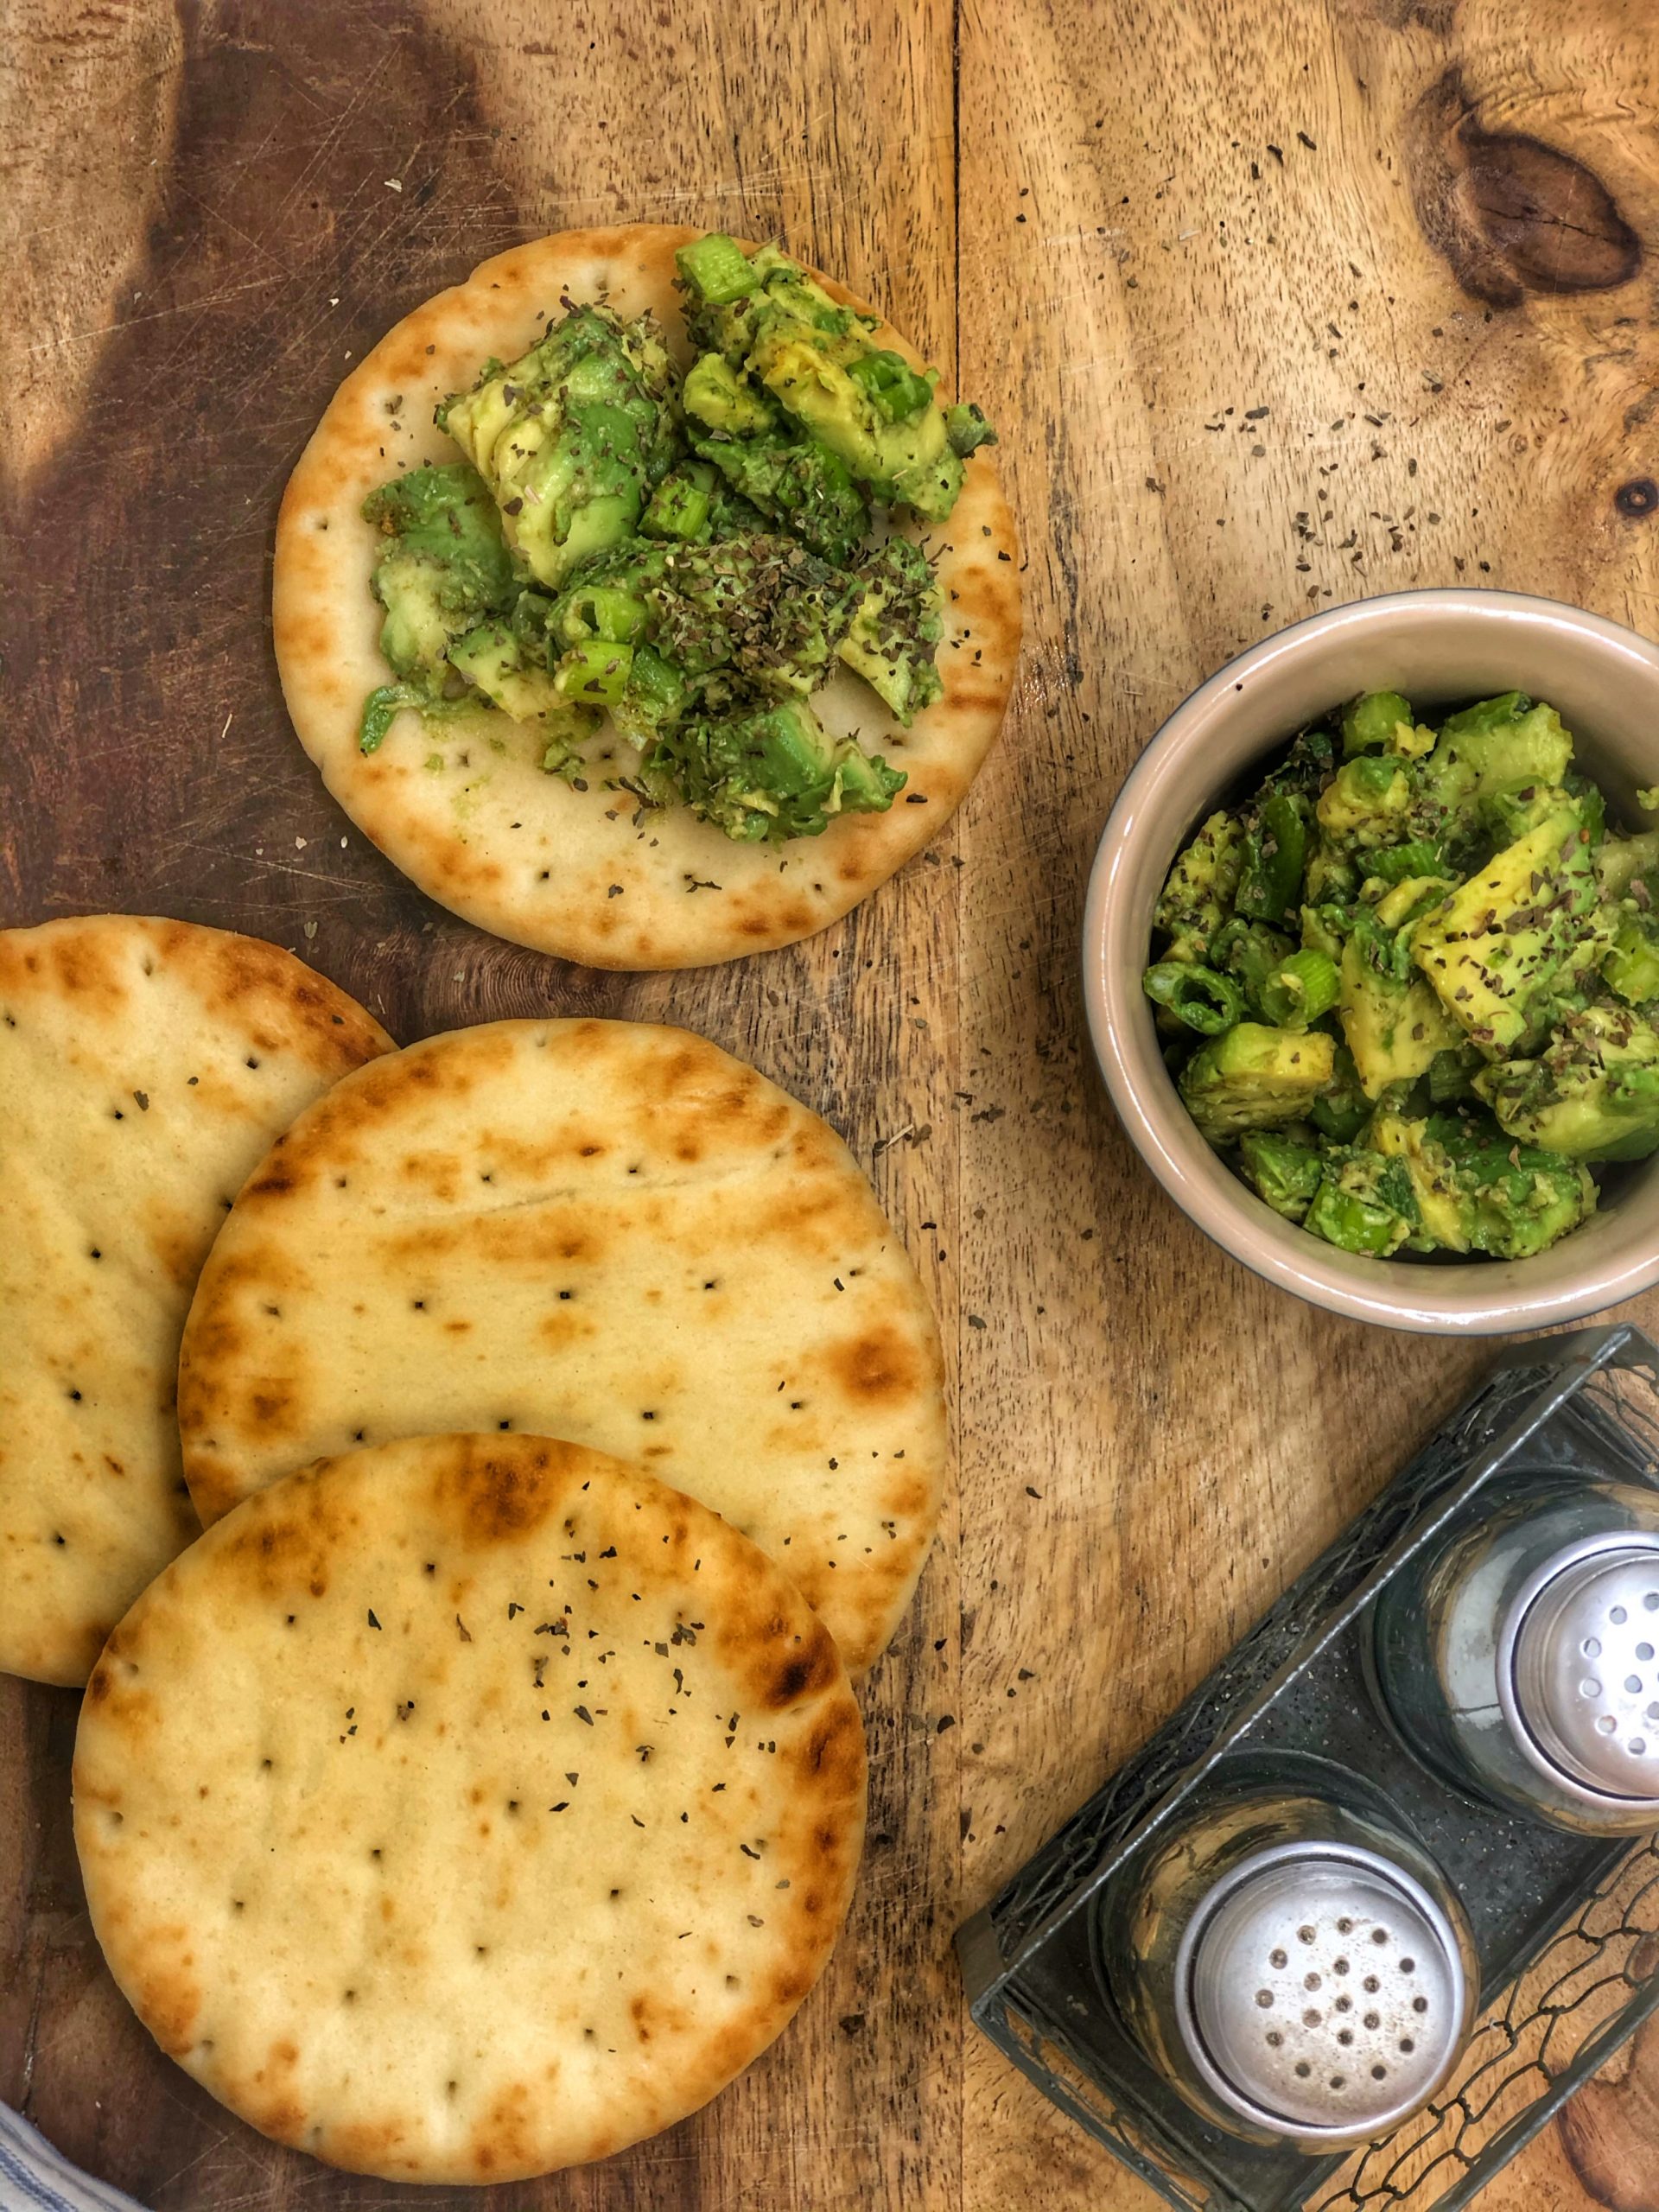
x=571, y=437
x=1197, y=892
x=1621, y=861
x=815, y=360
x=893, y=640
x=768, y=775
x=1503, y=741
x=1512, y=811
x=1367, y=804
x=1629, y=966
x=1365, y=1204
x=909, y=461
x=1342, y=1109
x=1593, y=1093
x=1476, y=1190
x=1283, y=1169
x=441, y=562
x=494, y=658
x=1393, y=1029
x=1446, y=1213
x=795, y=482
x=1374, y=721
x=716, y=395
x=1254, y=1077
x=1516, y=932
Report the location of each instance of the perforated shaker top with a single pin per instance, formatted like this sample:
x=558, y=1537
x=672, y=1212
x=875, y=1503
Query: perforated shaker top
x=1321, y=1991
x=1581, y=1685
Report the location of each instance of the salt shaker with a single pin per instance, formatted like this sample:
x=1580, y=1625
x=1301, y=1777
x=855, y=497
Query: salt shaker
x=1517, y=1657
x=1293, y=1963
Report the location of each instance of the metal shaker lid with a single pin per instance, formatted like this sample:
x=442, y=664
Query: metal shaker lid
x=1578, y=1673
x=1320, y=1992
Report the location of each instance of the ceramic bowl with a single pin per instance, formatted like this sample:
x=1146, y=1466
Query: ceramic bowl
x=1437, y=647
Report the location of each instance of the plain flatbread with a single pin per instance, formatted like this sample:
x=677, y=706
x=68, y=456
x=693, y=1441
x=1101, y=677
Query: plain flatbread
x=145, y=1067
x=466, y=811
x=469, y=1806
x=605, y=1230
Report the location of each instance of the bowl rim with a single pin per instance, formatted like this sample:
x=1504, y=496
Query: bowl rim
x=1382, y=1291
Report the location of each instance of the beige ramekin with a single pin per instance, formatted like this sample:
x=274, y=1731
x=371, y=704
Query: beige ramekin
x=1434, y=646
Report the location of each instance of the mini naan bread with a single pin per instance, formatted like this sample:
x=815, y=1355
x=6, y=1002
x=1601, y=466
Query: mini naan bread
x=145, y=1067
x=605, y=1230
x=469, y=1806
x=466, y=811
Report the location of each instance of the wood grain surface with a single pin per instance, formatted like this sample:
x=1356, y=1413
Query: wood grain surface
x=1276, y=306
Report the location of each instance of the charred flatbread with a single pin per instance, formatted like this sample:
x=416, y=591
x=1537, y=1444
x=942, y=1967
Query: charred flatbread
x=583, y=868
x=145, y=1069
x=610, y=1231
x=469, y=1806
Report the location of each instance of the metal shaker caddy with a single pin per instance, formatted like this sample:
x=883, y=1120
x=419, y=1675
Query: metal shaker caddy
x=1378, y=1897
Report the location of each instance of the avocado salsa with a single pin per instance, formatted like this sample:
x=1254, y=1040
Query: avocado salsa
x=1410, y=988
x=691, y=557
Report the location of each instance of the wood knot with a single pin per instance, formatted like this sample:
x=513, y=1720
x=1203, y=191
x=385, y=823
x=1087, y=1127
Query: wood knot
x=1510, y=214
x=1637, y=499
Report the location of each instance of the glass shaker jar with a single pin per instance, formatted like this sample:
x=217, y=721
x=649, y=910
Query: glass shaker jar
x=1517, y=1657
x=1291, y=1961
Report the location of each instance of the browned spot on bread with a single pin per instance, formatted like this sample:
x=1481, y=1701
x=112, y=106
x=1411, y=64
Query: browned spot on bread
x=805, y=1672
x=501, y=1493
x=877, y=1364
x=274, y=1406
x=170, y=2002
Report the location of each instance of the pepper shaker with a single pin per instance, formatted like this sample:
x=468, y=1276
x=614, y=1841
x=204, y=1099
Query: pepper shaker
x=1293, y=1963
x=1517, y=1657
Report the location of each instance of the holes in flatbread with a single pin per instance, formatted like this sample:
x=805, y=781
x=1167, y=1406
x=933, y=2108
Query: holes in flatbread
x=93, y=1252
x=481, y=1950
x=450, y=2087
x=350, y=1996
x=76, y=1394
x=238, y=1905
x=252, y=1060
x=60, y=1539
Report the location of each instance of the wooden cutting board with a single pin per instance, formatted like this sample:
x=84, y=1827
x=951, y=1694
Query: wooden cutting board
x=1276, y=306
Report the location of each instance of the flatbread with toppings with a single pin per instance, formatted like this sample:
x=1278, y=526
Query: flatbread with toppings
x=469, y=1806
x=605, y=1230
x=145, y=1068
x=685, y=624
